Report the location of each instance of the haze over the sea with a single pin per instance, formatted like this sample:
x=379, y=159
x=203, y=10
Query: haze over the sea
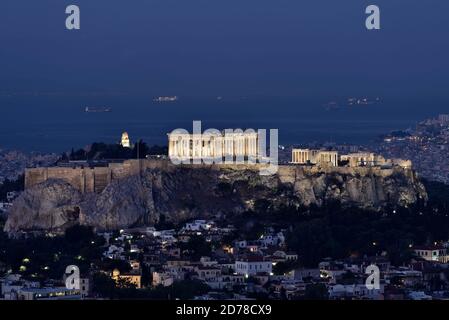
x=58, y=124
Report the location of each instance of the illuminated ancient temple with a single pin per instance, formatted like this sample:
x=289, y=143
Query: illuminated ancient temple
x=214, y=144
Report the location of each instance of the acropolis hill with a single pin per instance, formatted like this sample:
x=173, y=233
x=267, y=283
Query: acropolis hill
x=138, y=192
x=86, y=178
x=90, y=177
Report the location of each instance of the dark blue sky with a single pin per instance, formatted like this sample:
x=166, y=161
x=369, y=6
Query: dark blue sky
x=300, y=48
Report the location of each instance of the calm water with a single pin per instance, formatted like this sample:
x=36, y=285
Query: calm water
x=58, y=123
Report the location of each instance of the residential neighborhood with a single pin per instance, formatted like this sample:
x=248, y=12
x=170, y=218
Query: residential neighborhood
x=146, y=260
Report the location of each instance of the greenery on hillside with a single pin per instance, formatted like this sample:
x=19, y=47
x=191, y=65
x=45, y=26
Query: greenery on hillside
x=101, y=151
x=46, y=257
x=438, y=193
x=338, y=232
x=105, y=287
x=8, y=186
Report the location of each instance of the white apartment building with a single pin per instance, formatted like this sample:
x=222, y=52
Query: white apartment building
x=252, y=265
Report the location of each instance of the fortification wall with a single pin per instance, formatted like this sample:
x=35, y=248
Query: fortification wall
x=84, y=179
x=97, y=178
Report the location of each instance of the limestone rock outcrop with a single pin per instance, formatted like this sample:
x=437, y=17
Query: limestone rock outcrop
x=183, y=193
x=52, y=205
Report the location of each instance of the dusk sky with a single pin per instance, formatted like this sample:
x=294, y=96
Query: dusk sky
x=233, y=47
x=229, y=150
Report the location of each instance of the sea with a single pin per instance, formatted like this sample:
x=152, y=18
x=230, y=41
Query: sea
x=59, y=123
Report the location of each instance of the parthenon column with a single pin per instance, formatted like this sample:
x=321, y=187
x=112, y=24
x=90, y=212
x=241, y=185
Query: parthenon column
x=253, y=145
x=186, y=150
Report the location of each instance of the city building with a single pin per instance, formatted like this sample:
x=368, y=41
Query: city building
x=355, y=291
x=134, y=277
x=252, y=265
x=432, y=253
x=85, y=287
x=162, y=278
x=57, y=293
x=443, y=118
x=198, y=225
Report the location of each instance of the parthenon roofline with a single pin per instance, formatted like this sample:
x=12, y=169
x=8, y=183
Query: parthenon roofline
x=222, y=132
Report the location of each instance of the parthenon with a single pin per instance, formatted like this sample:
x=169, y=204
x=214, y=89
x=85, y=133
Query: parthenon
x=214, y=145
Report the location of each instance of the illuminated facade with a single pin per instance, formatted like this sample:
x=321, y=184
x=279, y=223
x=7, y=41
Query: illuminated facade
x=213, y=145
x=125, y=142
x=357, y=159
x=321, y=157
x=134, y=278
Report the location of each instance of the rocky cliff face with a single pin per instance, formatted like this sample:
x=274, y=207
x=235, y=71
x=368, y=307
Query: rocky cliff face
x=52, y=204
x=192, y=192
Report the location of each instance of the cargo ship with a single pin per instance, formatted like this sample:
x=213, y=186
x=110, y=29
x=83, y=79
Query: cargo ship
x=166, y=99
x=97, y=109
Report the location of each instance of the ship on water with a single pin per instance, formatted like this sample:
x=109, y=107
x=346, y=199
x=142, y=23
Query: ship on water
x=166, y=99
x=97, y=109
